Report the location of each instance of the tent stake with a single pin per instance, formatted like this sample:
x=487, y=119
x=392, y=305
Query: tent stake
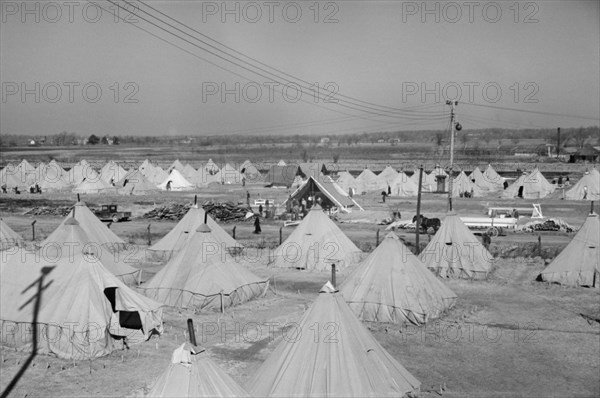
x=190, y=324
x=419, y=210
x=33, y=229
x=333, y=275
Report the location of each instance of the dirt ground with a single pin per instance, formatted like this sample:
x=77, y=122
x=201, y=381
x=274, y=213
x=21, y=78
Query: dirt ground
x=507, y=336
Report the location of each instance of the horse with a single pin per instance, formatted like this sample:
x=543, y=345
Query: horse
x=427, y=223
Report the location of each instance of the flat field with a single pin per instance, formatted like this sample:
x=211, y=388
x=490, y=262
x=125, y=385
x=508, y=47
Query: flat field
x=507, y=336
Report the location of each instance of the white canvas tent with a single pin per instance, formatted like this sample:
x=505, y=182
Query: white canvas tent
x=315, y=244
x=192, y=373
x=388, y=175
x=482, y=181
x=529, y=186
x=175, y=182
x=8, y=237
x=454, y=252
x=204, y=276
x=82, y=306
x=404, y=186
x=178, y=237
x=367, y=181
x=91, y=225
x=70, y=237
x=96, y=186
x=587, y=188
x=393, y=286
x=135, y=183
x=112, y=172
x=462, y=184
x=579, y=263
x=352, y=364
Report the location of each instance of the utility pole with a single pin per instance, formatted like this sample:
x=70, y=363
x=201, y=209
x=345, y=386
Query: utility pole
x=452, y=104
x=558, y=142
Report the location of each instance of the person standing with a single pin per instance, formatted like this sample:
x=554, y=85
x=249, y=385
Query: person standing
x=248, y=198
x=260, y=210
x=257, y=229
x=487, y=241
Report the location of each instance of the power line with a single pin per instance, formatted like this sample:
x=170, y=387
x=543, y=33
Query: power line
x=529, y=111
x=262, y=71
x=261, y=63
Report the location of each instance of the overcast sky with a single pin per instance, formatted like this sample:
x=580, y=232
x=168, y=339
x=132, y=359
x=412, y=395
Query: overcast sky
x=535, y=56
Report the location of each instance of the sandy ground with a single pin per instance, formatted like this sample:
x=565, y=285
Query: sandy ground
x=507, y=336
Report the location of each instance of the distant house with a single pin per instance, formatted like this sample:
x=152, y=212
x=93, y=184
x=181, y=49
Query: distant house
x=586, y=154
x=325, y=140
x=32, y=143
x=380, y=141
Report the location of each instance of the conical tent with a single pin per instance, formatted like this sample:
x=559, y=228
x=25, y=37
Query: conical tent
x=112, y=172
x=92, y=226
x=388, y=175
x=367, y=181
x=176, y=165
x=529, y=186
x=229, y=175
x=204, y=276
x=94, y=186
x=404, y=186
x=82, y=306
x=454, y=252
x=56, y=183
x=463, y=184
x=326, y=192
x=426, y=186
x=158, y=175
x=188, y=172
x=587, y=188
x=177, y=237
x=80, y=171
x=281, y=163
x=135, y=183
x=8, y=237
x=177, y=182
x=579, y=263
x=211, y=167
x=146, y=167
x=250, y=171
x=492, y=177
x=482, y=181
x=12, y=176
x=192, y=373
x=392, y=285
x=346, y=181
x=315, y=244
x=342, y=360
x=69, y=237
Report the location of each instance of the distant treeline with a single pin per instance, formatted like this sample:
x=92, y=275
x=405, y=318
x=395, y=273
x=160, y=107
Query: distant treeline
x=574, y=137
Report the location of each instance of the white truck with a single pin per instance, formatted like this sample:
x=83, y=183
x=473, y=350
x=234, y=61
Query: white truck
x=500, y=219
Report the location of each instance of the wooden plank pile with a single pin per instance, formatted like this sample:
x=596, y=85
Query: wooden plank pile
x=226, y=211
x=61, y=211
x=170, y=211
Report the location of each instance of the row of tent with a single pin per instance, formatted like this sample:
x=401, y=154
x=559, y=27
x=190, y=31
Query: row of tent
x=531, y=185
x=112, y=178
x=390, y=285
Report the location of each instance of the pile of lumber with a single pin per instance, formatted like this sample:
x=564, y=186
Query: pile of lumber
x=226, y=211
x=171, y=211
x=223, y=212
x=61, y=211
x=551, y=224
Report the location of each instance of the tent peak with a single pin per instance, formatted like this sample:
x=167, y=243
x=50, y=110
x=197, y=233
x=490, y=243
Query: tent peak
x=203, y=228
x=328, y=288
x=71, y=221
